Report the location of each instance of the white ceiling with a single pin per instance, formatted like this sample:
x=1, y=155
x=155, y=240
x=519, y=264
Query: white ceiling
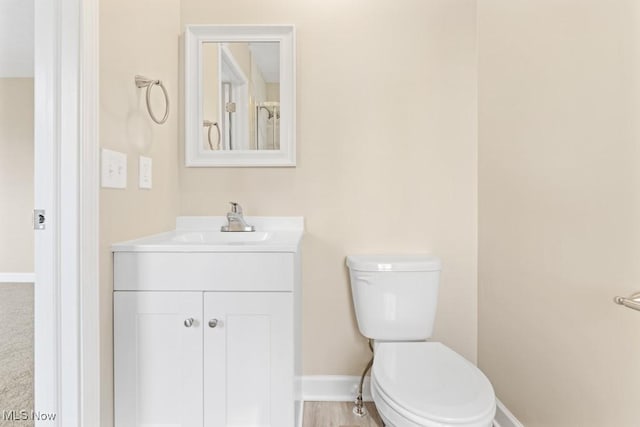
x=16, y=38
x=267, y=57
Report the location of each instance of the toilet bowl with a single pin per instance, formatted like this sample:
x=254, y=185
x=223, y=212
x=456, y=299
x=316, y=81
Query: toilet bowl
x=427, y=384
x=414, y=383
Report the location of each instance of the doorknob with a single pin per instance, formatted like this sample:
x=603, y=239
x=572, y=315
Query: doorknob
x=213, y=323
x=189, y=322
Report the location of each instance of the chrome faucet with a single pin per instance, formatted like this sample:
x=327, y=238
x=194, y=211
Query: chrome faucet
x=236, y=220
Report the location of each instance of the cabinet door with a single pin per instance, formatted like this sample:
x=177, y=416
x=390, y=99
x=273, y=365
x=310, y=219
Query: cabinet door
x=248, y=363
x=158, y=359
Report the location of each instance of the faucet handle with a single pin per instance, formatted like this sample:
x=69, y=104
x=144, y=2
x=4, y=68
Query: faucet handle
x=236, y=208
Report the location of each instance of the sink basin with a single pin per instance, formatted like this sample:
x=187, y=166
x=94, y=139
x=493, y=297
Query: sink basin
x=218, y=237
x=202, y=234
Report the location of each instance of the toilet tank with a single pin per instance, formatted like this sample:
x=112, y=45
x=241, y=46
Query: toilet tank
x=395, y=297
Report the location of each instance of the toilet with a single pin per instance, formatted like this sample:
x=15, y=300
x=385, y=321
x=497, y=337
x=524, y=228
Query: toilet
x=414, y=383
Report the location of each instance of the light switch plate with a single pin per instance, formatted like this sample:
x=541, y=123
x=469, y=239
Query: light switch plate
x=145, y=172
x=114, y=169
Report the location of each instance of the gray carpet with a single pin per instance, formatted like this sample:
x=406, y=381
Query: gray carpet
x=16, y=352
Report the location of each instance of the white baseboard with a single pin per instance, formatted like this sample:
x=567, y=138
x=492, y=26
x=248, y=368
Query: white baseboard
x=299, y=408
x=333, y=388
x=504, y=417
x=299, y=413
x=343, y=388
x=17, y=277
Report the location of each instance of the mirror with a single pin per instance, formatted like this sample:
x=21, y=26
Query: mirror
x=239, y=95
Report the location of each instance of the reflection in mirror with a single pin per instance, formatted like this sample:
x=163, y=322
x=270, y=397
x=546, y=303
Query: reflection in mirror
x=241, y=96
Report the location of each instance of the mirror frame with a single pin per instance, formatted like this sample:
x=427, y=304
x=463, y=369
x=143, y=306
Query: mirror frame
x=195, y=154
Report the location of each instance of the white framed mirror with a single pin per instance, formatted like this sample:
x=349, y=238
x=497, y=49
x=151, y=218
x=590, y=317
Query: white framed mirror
x=239, y=101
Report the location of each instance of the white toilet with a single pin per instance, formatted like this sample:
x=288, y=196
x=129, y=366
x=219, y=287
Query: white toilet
x=414, y=383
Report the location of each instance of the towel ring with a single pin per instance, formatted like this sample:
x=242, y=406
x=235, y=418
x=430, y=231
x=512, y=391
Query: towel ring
x=209, y=124
x=141, y=82
x=632, y=301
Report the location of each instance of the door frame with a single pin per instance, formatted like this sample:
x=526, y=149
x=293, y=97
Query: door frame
x=230, y=71
x=66, y=327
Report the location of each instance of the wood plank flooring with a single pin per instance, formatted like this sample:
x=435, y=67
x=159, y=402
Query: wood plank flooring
x=338, y=414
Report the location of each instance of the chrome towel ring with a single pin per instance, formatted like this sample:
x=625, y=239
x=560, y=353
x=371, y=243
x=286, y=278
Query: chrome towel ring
x=141, y=82
x=209, y=124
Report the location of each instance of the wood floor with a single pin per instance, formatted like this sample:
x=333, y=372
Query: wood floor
x=338, y=414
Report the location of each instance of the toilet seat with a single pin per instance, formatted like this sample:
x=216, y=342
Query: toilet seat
x=428, y=384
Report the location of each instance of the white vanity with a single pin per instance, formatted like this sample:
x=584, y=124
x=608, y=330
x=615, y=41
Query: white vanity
x=207, y=325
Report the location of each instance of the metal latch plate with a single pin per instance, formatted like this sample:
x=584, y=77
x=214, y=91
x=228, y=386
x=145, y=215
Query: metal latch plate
x=39, y=219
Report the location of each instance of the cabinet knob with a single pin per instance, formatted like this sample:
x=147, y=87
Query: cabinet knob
x=188, y=322
x=213, y=323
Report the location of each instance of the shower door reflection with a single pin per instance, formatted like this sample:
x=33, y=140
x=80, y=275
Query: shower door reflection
x=268, y=126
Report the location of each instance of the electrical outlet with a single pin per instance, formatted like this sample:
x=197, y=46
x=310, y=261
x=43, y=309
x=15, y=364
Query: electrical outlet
x=144, y=171
x=114, y=169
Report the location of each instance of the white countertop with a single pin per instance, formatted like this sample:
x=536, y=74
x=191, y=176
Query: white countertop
x=202, y=234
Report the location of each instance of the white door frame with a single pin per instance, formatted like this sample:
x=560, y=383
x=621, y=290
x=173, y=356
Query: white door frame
x=66, y=332
x=229, y=70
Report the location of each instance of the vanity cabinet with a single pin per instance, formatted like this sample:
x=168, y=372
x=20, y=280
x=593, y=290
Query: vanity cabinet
x=207, y=327
x=203, y=359
x=158, y=361
x=248, y=366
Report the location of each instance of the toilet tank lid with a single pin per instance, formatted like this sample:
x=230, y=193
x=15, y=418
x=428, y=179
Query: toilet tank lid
x=393, y=263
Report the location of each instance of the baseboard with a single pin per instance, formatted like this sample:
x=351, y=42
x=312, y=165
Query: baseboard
x=299, y=413
x=343, y=388
x=504, y=417
x=17, y=277
x=299, y=408
x=333, y=388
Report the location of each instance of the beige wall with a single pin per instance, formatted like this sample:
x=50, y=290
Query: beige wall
x=273, y=91
x=136, y=37
x=386, y=117
x=242, y=55
x=16, y=175
x=559, y=191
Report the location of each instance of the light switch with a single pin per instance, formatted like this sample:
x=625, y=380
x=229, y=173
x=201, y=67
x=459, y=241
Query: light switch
x=144, y=170
x=114, y=169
